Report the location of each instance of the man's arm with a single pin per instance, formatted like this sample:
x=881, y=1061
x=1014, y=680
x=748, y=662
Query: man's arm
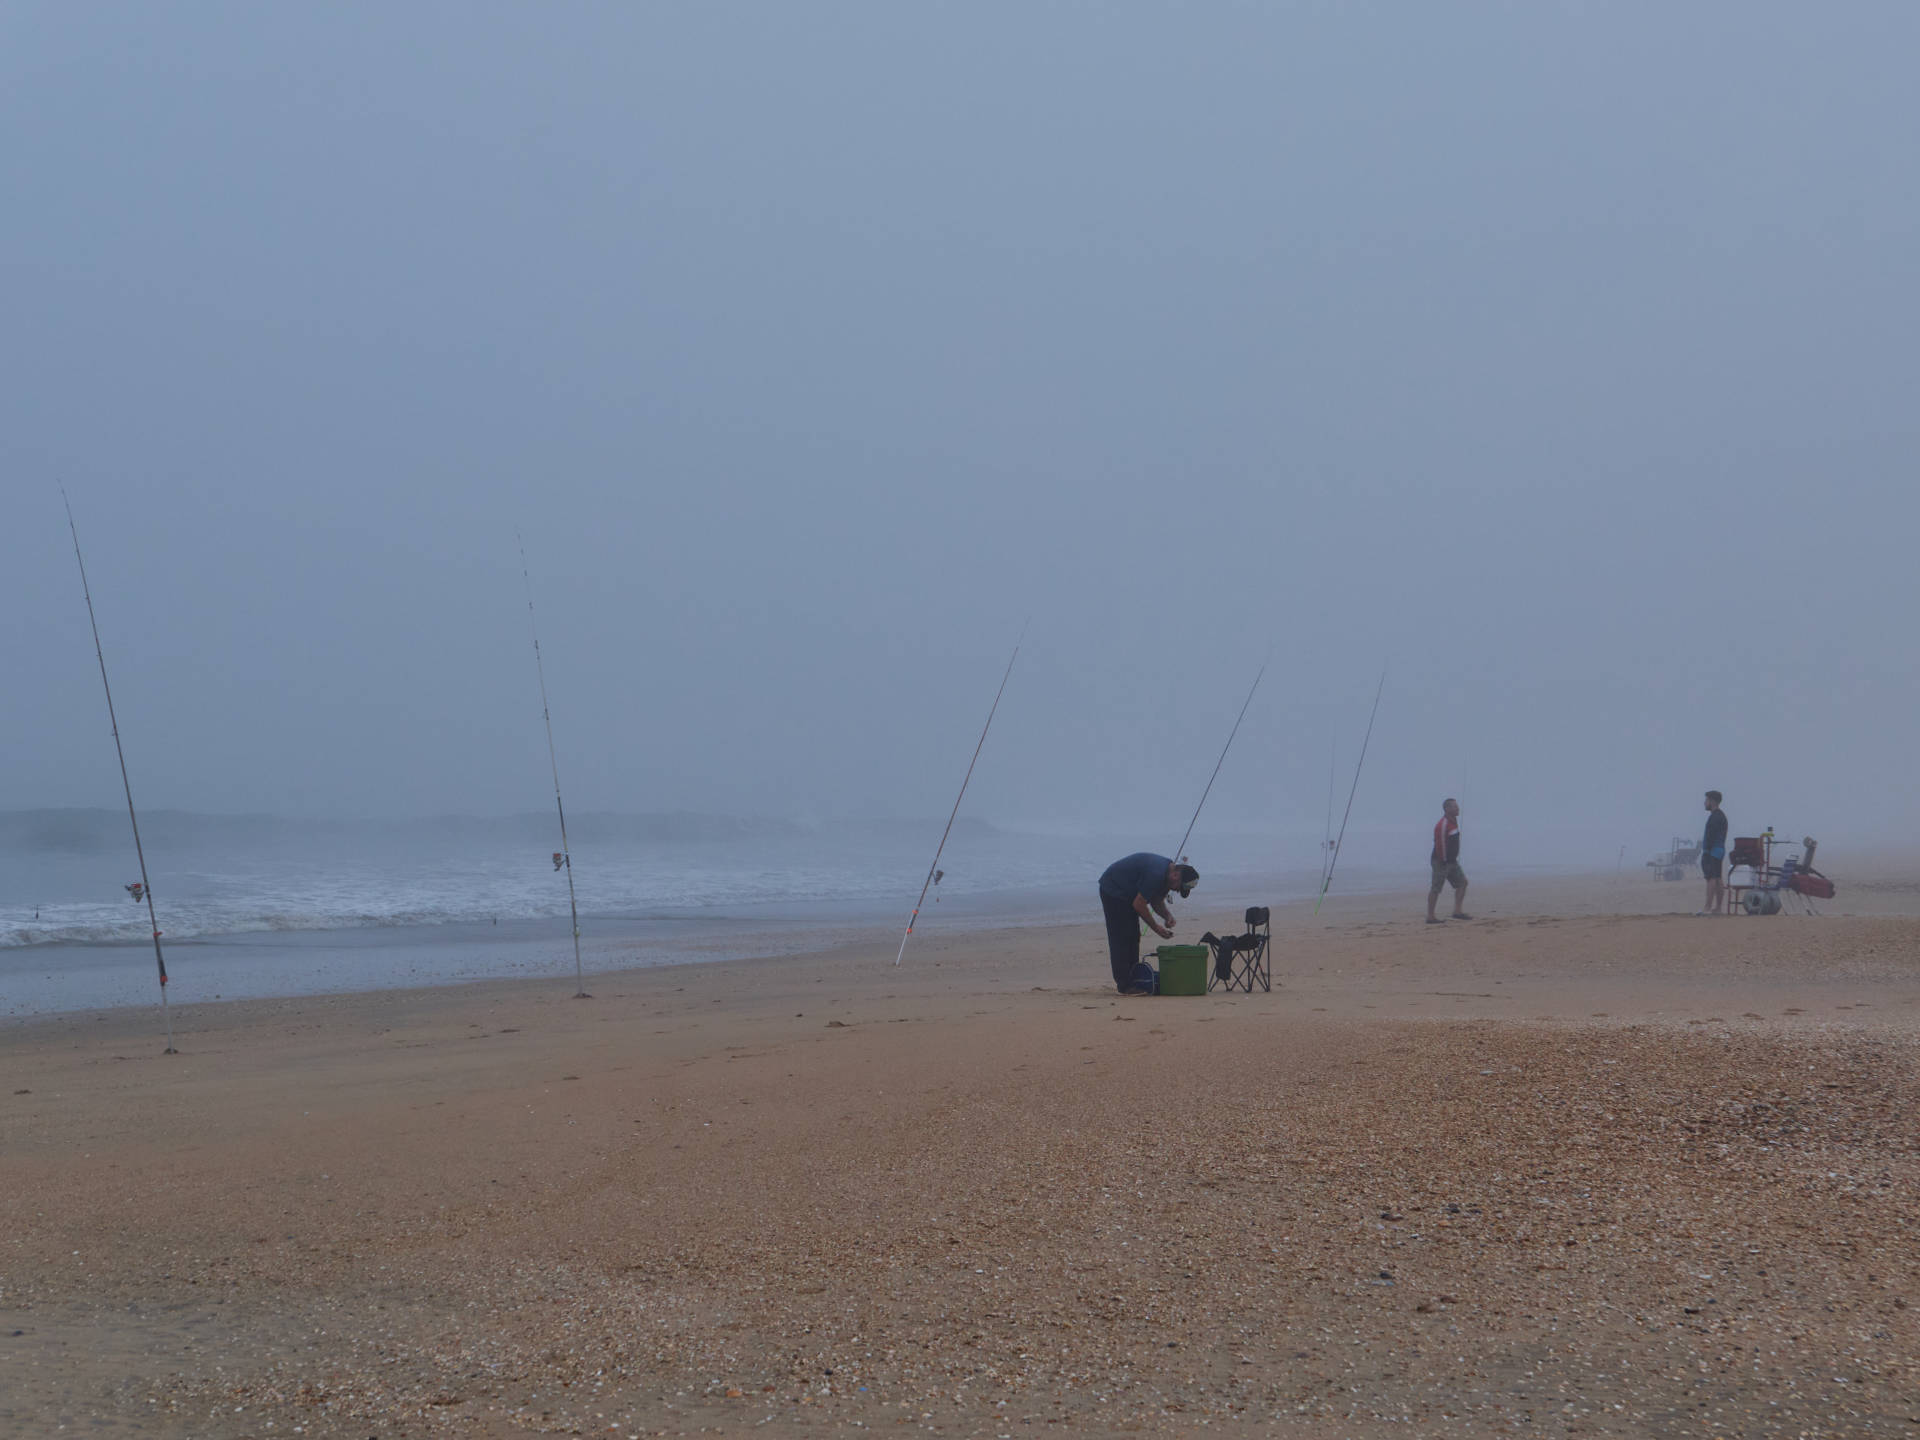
x=1140, y=904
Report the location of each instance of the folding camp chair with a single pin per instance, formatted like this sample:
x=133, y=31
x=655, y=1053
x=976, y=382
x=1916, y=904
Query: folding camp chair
x=1241, y=961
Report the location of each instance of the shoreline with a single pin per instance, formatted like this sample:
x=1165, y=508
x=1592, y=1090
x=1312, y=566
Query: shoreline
x=50, y=978
x=381, y=960
x=367, y=959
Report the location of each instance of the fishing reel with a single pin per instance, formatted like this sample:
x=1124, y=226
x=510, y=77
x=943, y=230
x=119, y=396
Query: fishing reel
x=137, y=890
x=559, y=860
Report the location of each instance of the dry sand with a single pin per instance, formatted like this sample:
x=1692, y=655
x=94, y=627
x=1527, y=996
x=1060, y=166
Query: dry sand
x=1555, y=1171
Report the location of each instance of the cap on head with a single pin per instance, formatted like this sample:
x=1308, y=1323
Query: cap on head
x=1187, y=877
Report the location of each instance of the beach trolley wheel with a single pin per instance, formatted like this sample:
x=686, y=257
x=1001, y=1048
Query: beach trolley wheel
x=1761, y=902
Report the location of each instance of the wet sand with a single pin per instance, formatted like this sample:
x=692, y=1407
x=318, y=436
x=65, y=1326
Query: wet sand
x=1568, y=1168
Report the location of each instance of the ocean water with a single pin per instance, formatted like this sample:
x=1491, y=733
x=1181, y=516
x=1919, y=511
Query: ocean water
x=62, y=874
x=253, y=906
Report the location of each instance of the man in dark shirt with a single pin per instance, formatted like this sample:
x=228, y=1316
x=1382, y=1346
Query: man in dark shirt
x=1133, y=890
x=1713, y=854
x=1446, y=863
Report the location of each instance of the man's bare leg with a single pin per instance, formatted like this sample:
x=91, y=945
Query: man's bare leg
x=1459, y=902
x=1433, y=898
x=1716, y=897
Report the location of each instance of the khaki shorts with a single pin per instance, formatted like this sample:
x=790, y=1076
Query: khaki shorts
x=1447, y=872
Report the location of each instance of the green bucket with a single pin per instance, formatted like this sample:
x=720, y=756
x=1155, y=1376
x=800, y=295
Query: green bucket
x=1183, y=969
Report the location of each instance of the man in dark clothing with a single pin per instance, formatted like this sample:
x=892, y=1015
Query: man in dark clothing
x=1133, y=890
x=1713, y=854
x=1446, y=863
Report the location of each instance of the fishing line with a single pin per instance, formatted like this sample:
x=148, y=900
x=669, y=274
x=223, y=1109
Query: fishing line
x=566, y=854
x=1327, y=883
x=1180, y=853
x=145, y=889
x=935, y=866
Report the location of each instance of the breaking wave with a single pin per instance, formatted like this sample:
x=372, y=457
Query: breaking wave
x=62, y=874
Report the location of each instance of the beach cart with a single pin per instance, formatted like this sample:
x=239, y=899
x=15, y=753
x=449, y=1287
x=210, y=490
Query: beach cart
x=1675, y=862
x=1759, y=882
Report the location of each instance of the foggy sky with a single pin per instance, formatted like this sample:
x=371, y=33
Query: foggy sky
x=1559, y=359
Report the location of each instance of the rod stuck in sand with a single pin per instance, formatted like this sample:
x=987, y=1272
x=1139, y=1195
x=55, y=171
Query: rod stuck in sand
x=564, y=860
x=934, y=868
x=1334, y=859
x=1326, y=839
x=146, y=889
x=1180, y=851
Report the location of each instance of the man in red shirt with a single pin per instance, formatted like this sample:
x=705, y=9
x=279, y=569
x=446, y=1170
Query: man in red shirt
x=1446, y=863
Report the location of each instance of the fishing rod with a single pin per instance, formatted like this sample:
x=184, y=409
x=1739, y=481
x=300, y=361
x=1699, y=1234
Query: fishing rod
x=1334, y=859
x=564, y=860
x=1326, y=836
x=145, y=889
x=1180, y=853
x=934, y=868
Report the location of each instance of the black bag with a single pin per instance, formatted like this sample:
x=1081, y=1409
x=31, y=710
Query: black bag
x=1222, y=955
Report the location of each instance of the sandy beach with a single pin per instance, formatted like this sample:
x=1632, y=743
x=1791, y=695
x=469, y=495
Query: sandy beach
x=1575, y=1167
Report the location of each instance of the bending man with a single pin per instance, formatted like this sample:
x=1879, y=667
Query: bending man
x=1133, y=890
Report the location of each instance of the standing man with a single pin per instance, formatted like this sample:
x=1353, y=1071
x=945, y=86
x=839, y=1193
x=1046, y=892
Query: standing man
x=1133, y=890
x=1446, y=863
x=1713, y=854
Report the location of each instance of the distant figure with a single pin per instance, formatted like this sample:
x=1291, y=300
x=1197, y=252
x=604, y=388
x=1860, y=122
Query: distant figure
x=1713, y=854
x=1446, y=863
x=1132, y=890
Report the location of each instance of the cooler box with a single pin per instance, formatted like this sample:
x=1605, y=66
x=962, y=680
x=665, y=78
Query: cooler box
x=1183, y=969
